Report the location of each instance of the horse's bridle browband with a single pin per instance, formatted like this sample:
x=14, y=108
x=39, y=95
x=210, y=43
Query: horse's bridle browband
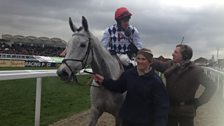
x=83, y=60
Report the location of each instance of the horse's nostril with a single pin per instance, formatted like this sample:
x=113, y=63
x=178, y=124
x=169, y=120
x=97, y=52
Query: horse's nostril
x=62, y=73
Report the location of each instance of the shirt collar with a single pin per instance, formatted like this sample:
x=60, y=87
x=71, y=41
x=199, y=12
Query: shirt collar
x=141, y=73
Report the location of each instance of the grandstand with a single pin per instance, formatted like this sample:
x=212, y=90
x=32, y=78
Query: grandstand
x=32, y=40
x=30, y=49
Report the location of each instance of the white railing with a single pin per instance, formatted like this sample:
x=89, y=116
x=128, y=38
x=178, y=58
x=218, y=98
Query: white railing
x=23, y=74
x=218, y=77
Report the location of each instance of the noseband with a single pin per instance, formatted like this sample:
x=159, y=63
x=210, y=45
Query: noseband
x=82, y=60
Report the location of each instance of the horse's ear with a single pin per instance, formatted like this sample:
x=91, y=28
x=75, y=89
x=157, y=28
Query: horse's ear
x=73, y=28
x=85, y=23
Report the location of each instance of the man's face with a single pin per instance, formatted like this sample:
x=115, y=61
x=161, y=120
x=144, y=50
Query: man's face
x=177, y=56
x=125, y=23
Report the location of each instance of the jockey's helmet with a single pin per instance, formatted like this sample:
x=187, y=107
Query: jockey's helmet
x=122, y=13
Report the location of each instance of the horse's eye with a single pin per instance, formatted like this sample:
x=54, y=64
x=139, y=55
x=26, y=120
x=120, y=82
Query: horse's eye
x=82, y=45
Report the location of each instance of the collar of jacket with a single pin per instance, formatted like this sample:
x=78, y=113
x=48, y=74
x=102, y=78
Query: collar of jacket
x=178, y=67
x=184, y=67
x=147, y=73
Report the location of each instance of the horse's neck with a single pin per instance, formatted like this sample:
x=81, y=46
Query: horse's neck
x=104, y=64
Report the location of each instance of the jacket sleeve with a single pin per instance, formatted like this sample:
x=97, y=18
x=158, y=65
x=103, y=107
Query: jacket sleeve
x=160, y=100
x=119, y=85
x=160, y=66
x=210, y=88
x=106, y=38
x=136, y=39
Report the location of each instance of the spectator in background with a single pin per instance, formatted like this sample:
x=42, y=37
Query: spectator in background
x=63, y=53
x=27, y=49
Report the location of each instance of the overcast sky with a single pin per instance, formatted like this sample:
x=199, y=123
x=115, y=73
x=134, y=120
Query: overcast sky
x=161, y=23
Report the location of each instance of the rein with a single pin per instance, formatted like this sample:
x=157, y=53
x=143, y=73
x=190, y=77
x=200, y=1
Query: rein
x=99, y=86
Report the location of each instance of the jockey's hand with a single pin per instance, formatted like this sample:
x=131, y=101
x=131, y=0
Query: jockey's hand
x=98, y=78
x=133, y=62
x=124, y=59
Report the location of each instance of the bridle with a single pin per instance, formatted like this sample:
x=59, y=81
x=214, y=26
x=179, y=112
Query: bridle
x=82, y=60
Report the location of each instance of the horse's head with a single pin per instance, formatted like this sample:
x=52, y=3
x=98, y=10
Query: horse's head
x=78, y=52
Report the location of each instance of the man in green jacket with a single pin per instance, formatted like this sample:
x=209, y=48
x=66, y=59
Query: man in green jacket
x=183, y=78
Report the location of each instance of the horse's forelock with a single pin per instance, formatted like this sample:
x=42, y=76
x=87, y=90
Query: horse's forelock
x=80, y=28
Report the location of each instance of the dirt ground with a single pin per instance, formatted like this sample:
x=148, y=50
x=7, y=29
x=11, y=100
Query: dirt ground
x=82, y=119
x=210, y=114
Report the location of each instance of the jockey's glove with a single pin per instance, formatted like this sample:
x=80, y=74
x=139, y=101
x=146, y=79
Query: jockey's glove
x=126, y=61
x=133, y=62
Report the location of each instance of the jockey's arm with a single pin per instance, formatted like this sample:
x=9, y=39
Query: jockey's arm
x=136, y=39
x=105, y=39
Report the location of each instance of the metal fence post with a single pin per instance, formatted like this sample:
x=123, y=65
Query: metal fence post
x=38, y=102
x=222, y=88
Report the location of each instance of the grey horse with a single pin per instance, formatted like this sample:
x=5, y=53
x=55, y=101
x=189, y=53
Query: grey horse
x=85, y=49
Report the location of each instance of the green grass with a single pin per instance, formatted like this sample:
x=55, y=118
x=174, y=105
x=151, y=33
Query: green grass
x=59, y=100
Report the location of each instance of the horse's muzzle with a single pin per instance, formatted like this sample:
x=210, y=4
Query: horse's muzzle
x=64, y=75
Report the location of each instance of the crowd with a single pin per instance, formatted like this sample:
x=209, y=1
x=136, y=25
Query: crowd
x=26, y=49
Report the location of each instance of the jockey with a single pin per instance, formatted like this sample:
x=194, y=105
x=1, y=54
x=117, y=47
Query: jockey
x=122, y=39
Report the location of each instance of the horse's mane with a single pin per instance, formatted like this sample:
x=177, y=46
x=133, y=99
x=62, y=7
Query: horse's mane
x=104, y=63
